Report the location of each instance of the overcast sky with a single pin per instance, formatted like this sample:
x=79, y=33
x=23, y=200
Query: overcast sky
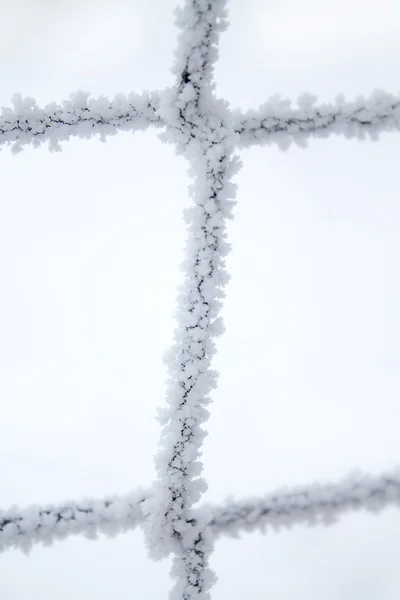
x=90, y=245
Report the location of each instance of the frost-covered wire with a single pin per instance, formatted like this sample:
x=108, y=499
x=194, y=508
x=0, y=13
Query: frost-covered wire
x=201, y=130
x=206, y=132
x=111, y=516
x=200, y=23
x=276, y=122
x=311, y=505
x=191, y=377
x=316, y=504
x=80, y=116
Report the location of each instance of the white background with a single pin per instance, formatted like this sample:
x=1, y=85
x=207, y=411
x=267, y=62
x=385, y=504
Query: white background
x=90, y=245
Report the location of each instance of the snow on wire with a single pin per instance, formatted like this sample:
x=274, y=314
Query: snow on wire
x=317, y=504
x=206, y=132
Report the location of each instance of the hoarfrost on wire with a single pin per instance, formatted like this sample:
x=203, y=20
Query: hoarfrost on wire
x=206, y=132
x=275, y=122
x=311, y=505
